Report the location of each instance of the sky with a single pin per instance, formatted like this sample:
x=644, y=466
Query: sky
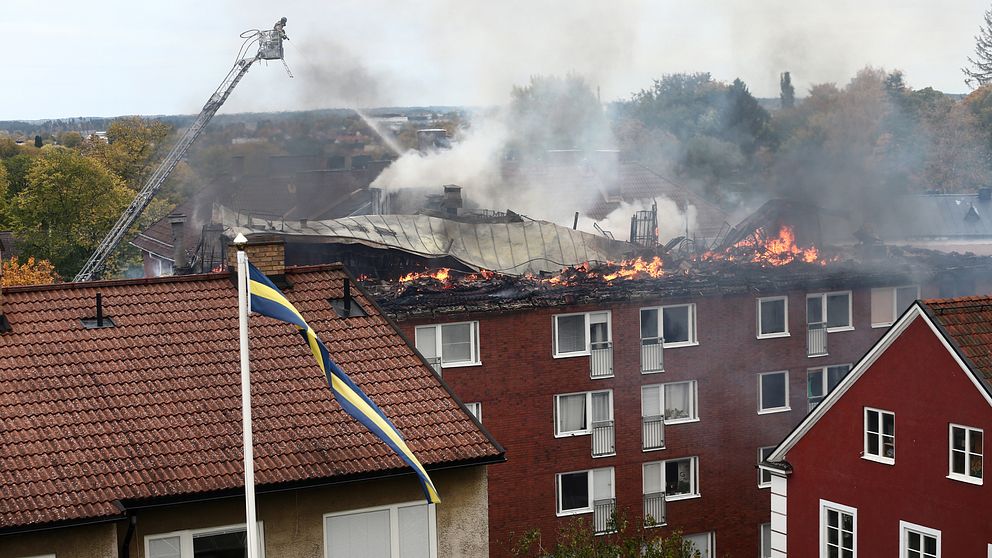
x=118, y=57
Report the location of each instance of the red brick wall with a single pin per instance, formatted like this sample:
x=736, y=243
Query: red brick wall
x=918, y=380
x=518, y=379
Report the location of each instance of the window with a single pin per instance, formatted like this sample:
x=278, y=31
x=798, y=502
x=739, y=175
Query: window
x=475, y=409
x=453, y=344
x=677, y=478
x=773, y=317
x=838, y=531
x=764, y=477
x=677, y=325
x=675, y=401
x=773, y=392
x=889, y=303
x=880, y=436
x=967, y=446
x=917, y=541
x=822, y=380
x=578, y=334
x=766, y=540
x=579, y=490
x=704, y=543
x=832, y=308
x=226, y=541
x=575, y=412
x=399, y=531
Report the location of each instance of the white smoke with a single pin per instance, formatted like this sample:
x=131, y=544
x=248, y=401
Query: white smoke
x=672, y=221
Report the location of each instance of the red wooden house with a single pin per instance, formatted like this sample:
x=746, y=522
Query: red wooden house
x=891, y=463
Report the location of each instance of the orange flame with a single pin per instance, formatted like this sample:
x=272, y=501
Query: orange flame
x=779, y=250
x=636, y=269
x=440, y=275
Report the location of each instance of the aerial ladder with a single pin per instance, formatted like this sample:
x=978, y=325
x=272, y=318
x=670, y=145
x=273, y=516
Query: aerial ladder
x=269, y=44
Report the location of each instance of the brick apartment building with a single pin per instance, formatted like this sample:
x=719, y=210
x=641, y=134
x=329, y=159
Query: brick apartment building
x=655, y=397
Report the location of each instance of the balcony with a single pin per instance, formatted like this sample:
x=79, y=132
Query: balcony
x=601, y=360
x=816, y=339
x=654, y=509
x=603, y=512
x=652, y=357
x=603, y=438
x=435, y=363
x=653, y=432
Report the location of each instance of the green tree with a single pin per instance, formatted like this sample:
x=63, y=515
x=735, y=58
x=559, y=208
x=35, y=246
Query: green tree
x=17, y=172
x=979, y=69
x=68, y=205
x=71, y=139
x=132, y=144
x=788, y=92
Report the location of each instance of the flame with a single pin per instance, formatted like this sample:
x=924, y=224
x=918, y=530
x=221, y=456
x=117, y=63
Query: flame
x=776, y=251
x=440, y=275
x=636, y=269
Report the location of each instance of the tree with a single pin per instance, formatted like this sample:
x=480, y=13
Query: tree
x=71, y=139
x=552, y=112
x=17, y=172
x=788, y=92
x=37, y=141
x=31, y=272
x=980, y=71
x=131, y=145
x=69, y=203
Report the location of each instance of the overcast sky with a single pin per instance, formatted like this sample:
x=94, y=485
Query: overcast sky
x=114, y=57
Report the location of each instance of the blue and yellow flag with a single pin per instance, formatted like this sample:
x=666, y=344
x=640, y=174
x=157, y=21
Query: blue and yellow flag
x=268, y=300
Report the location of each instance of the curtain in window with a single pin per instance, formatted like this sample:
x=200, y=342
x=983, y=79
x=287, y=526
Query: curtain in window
x=427, y=341
x=359, y=534
x=652, y=478
x=651, y=401
x=571, y=334
x=677, y=401
x=456, y=343
x=599, y=330
x=881, y=306
x=678, y=477
x=601, y=406
x=602, y=484
x=572, y=412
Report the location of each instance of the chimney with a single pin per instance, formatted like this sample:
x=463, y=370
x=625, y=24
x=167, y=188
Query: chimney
x=376, y=198
x=266, y=252
x=452, y=202
x=178, y=220
x=985, y=194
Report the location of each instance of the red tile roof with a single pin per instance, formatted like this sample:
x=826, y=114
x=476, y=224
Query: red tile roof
x=968, y=322
x=151, y=407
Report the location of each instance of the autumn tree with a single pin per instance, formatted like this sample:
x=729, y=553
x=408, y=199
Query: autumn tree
x=68, y=205
x=979, y=69
x=577, y=540
x=31, y=272
x=71, y=139
x=130, y=150
x=553, y=112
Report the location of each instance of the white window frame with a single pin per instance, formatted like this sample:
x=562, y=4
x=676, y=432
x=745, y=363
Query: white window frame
x=475, y=408
x=766, y=534
x=474, y=360
x=394, y=525
x=693, y=339
x=694, y=491
x=761, y=403
x=786, y=317
x=587, y=429
x=904, y=529
x=693, y=401
x=895, y=302
x=588, y=348
x=823, y=309
x=590, y=473
x=967, y=453
x=709, y=552
x=761, y=472
x=840, y=508
x=871, y=456
x=823, y=380
x=186, y=537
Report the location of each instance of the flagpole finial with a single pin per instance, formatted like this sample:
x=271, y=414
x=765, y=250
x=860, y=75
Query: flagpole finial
x=240, y=242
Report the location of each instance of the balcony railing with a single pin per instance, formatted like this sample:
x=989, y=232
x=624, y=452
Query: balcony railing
x=816, y=339
x=435, y=363
x=603, y=438
x=603, y=512
x=654, y=509
x=653, y=432
x=601, y=360
x=652, y=355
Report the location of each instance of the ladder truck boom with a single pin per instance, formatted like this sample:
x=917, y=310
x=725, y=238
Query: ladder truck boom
x=269, y=48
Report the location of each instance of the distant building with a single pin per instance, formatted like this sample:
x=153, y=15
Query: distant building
x=892, y=462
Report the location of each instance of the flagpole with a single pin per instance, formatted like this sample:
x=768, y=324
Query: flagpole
x=251, y=525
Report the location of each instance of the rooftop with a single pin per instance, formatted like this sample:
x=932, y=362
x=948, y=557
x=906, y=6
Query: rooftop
x=968, y=322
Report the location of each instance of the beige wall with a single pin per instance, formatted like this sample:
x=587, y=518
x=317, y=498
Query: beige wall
x=293, y=521
x=87, y=541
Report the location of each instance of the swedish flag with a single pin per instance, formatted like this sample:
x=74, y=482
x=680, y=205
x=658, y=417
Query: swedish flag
x=268, y=300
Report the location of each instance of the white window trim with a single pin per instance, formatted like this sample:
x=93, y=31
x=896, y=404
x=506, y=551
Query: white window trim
x=186, y=537
x=823, y=309
x=905, y=527
x=694, y=466
x=786, y=310
x=588, y=349
x=950, y=455
x=588, y=429
x=787, y=407
x=710, y=542
x=394, y=532
x=693, y=338
x=475, y=360
x=824, y=506
x=761, y=538
x=761, y=458
x=478, y=409
x=823, y=377
x=693, y=403
x=895, y=307
x=864, y=430
x=592, y=490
